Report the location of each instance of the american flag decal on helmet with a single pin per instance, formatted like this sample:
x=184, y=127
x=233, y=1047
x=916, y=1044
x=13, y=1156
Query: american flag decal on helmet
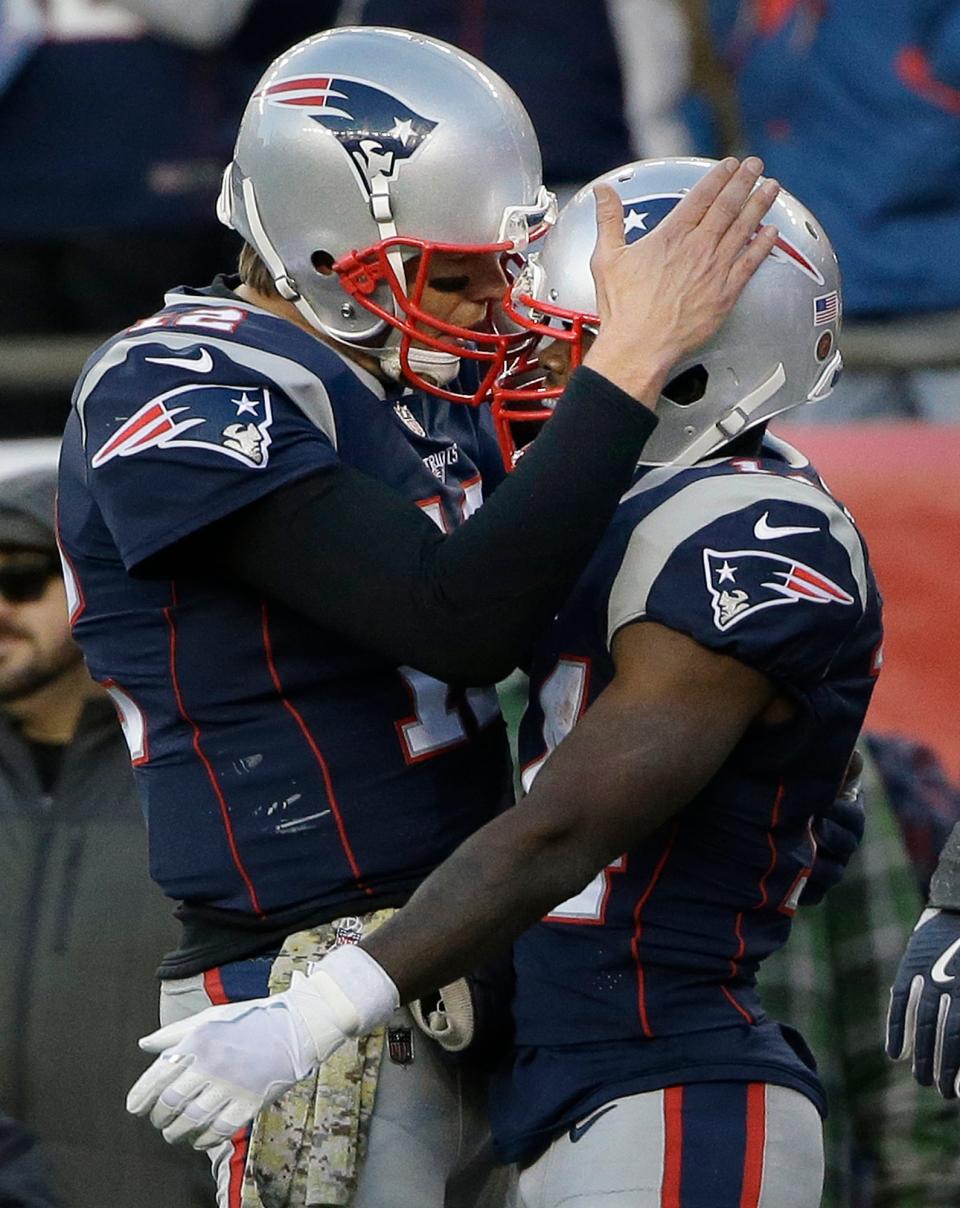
x=826, y=308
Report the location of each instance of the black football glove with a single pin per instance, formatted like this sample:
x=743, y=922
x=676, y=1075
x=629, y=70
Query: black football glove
x=924, y=1018
x=838, y=833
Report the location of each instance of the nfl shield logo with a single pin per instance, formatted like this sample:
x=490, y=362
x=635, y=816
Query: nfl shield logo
x=400, y=1045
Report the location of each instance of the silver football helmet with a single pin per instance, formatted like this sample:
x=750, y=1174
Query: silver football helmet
x=363, y=148
x=777, y=349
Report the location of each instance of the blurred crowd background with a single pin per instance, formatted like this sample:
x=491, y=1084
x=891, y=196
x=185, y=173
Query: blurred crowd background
x=116, y=119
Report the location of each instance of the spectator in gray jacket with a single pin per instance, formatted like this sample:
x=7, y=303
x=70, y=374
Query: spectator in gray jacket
x=81, y=925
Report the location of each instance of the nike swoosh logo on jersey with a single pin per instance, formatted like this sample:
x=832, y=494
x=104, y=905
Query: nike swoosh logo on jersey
x=199, y=364
x=765, y=531
x=939, y=971
x=577, y=1130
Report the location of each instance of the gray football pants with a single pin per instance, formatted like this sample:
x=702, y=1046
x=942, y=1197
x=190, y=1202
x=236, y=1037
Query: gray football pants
x=712, y=1145
x=429, y=1144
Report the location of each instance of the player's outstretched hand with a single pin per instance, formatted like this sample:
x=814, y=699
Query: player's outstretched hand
x=924, y=1018
x=219, y=1067
x=666, y=294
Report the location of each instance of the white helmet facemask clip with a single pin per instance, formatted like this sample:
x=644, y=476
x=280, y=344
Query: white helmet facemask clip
x=433, y=364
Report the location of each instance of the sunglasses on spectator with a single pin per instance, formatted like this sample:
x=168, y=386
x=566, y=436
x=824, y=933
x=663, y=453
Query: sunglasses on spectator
x=26, y=584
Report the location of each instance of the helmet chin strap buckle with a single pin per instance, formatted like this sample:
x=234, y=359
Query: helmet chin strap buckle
x=733, y=422
x=284, y=284
x=740, y=416
x=380, y=206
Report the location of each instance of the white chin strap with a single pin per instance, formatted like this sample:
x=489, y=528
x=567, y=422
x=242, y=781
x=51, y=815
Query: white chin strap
x=436, y=366
x=736, y=420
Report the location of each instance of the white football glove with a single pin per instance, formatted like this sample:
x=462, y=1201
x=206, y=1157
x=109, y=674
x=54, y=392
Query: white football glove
x=218, y=1068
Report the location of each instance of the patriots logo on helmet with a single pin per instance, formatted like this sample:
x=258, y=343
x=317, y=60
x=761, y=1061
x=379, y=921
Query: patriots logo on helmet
x=743, y=582
x=230, y=420
x=376, y=129
x=642, y=214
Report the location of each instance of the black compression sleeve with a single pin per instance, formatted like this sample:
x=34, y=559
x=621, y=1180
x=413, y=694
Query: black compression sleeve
x=353, y=555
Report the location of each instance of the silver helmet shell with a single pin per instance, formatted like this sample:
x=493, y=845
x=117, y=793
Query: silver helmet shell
x=360, y=135
x=777, y=349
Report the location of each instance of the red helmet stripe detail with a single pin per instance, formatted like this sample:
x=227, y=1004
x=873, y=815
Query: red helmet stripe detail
x=299, y=84
x=798, y=258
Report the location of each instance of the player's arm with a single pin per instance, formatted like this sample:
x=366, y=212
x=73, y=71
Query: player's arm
x=656, y=735
x=644, y=749
x=352, y=555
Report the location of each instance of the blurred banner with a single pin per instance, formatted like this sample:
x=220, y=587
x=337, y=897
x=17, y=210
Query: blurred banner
x=902, y=484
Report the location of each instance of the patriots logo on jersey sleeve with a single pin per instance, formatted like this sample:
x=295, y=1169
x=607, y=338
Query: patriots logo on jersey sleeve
x=643, y=214
x=230, y=420
x=376, y=129
x=743, y=582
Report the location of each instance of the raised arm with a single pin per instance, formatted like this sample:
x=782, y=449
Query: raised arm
x=355, y=557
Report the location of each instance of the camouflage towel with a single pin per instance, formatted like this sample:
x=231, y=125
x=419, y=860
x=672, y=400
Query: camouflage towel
x=307, y=1147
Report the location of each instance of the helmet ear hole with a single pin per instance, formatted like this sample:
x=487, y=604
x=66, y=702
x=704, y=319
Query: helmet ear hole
x=322, y=262
x=687, y=387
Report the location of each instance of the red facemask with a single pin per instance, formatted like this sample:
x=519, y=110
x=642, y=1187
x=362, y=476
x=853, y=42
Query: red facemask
x=488, y=347
x=522, y=401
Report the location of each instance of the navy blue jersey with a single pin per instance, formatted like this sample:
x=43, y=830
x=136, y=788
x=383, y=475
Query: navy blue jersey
x=646, y=977
x=278, y=764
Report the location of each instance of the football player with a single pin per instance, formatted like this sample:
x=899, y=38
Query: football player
x=693, y=706
x=261, y=502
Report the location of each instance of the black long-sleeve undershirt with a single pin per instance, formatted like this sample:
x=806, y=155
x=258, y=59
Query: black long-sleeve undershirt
x=357, y=558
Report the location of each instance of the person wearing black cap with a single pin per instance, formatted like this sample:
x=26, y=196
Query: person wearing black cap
x=43, y=682
x=81, y=926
